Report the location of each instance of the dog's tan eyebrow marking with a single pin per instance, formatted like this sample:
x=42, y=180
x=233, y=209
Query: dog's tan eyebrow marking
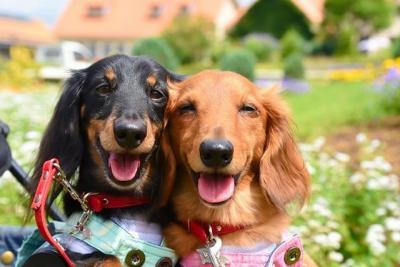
x=83, y=107
x=111, y=77
x=151, y=79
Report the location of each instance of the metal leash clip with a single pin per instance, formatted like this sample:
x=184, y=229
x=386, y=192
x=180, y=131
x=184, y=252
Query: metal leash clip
x=62, y=179
x=210, y=253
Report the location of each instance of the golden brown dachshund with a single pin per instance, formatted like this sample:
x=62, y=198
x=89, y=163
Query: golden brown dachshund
x=236, y=166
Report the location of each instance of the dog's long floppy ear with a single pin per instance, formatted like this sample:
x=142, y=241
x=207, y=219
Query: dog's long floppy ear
x=62, y=137
x=283, y=174
x=169, y=159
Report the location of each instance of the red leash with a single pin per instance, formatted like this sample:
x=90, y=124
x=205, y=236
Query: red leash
x=91, y=202
x=49, y=171
x=99, y=201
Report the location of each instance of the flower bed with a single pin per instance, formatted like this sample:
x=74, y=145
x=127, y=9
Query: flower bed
x=353, y=217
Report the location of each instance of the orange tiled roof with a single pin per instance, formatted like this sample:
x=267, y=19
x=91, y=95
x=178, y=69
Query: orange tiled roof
x=25, y=32
x=126, y=19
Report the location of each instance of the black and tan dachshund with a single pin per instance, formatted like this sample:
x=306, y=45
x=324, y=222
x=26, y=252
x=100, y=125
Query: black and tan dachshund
x=105, y=131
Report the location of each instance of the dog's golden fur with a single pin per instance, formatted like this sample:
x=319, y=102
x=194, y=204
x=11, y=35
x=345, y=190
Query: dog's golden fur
x=272, y=171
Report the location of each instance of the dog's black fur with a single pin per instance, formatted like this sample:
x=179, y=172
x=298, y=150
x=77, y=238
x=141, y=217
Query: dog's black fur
x=89, y=96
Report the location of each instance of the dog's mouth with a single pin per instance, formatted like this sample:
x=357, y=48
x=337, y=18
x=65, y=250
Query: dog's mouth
x=123, y=167
x=215, y=188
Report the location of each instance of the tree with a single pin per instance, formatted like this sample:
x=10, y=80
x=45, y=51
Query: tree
x=190, y=37
x=275, y=17
x=365, y=16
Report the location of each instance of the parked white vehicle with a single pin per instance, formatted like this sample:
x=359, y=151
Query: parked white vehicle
x=59, y=59
x=373, y=44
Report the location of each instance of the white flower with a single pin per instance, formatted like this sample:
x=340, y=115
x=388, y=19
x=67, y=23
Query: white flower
x=375, y=233
x=334, y=239
x=318, y=143
x=348, y=263
x=361, y=138
x=321, y=239
x=377, y=248
x=392, y=206
x=305, y=147
x=314, y=223
x=396, y=237
x=29, y=147
x=356, y=178
x=383, y=182
x=380, y=211
x=332, y=224
x=342, y=157
x=367, y=164
x=310, y=168
x=321, y=207
x=332, y=163
x=32, y=135
x=375, y=143
x=392, y=224
x=335, y=256
x=383, y=164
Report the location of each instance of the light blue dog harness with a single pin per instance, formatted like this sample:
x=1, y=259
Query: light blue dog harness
x=133, y=240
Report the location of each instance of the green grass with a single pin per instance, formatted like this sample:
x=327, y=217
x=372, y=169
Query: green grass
x=330, y=105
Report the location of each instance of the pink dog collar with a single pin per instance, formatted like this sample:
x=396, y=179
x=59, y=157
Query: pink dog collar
x=289, y=252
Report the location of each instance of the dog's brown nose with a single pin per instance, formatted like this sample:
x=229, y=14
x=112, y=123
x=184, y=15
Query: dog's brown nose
x=216, y=153
x=129, y=133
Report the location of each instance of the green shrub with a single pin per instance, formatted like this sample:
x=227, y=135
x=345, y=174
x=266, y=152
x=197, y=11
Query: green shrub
x=293, y=66
x=346, y=41
x=292, y=42
x=396, y=48
x=21, y=70
x=239, y=60
x=262, y=50
x=158, y=49
x=190, y=38
x=273, y=17
x=219, y=48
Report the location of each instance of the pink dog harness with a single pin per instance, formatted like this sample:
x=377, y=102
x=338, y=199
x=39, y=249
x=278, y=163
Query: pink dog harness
x=288, y=252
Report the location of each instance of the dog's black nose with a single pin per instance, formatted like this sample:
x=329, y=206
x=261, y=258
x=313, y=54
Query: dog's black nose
x=130, y=133
x=216, y=152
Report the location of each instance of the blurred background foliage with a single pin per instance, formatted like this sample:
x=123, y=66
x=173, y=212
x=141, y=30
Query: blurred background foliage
x=344, y=95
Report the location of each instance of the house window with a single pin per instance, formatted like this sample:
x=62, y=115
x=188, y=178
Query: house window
x=95, y=11
x=79, y=56
x=156, y=11
x=185, y=10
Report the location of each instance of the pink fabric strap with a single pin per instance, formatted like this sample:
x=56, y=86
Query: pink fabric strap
x=272, y=255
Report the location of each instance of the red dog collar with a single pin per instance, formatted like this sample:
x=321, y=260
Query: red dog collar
x=202, y=230
x=99, y=201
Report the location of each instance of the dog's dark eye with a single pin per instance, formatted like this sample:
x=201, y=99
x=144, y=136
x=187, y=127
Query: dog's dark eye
x=104, y=89
x=187, y=108
x=248, y=108
x=156, y=95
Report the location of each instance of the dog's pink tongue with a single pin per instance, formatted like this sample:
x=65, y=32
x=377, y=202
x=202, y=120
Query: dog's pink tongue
x=214, y=189
x=123, y=166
